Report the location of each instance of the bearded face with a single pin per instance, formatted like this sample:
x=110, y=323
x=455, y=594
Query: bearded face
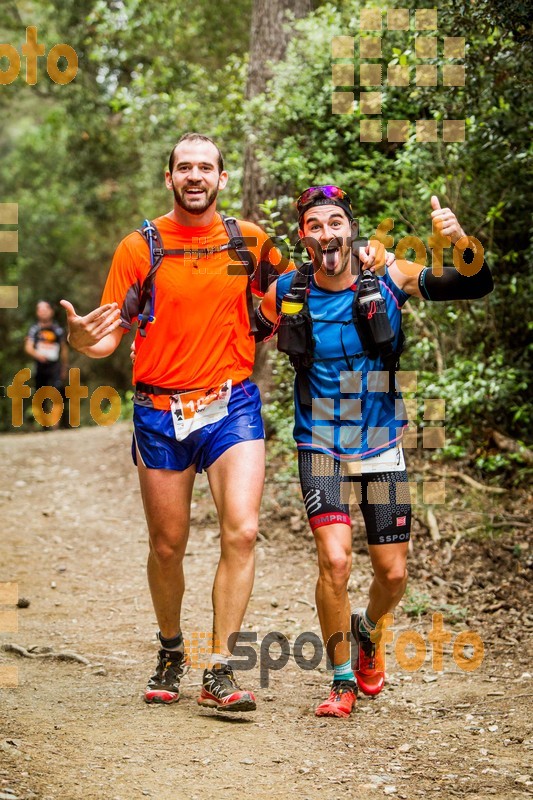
x=195, y=197
x=329, y=226
x=196, y=180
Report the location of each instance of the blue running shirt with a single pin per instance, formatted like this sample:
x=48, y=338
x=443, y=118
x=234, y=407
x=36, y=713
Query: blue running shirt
x=353, y=415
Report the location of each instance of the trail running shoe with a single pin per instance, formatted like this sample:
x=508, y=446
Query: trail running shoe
x=164, y=685
x=341, y=700
x=220, y=691
x=369, y=669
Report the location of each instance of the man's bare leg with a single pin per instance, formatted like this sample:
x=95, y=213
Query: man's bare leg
x=166, y=496
x=390, y=578
x=334, y=550
x=236, y=480
x=386, y=591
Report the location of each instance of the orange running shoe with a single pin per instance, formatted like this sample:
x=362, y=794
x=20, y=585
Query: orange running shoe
x=369, y=669
x=341, y=700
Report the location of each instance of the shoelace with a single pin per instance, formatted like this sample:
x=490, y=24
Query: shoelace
x=225, y=671
x=176, y=665
x=341, y=688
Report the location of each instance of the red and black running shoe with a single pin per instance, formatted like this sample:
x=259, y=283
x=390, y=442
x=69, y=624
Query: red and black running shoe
x=164, y=685
x=369, y=669
x=220, y=691
x=341, y=700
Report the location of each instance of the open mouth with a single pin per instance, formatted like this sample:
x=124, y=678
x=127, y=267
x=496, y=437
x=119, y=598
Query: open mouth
x=331, y=256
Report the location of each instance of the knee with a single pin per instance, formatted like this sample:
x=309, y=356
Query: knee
x=240, y=540
x=335, y=567
x=165, y=550
x=393, y=578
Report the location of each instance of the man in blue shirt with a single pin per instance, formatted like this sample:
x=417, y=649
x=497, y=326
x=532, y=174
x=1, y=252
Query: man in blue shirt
x=349, y=420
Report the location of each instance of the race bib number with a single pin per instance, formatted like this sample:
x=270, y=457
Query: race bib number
x=50, y=350
x=391, y=460
x=193, y=410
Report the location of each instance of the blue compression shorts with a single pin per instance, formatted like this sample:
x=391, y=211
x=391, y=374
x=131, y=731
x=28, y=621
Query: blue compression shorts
x=159, y=449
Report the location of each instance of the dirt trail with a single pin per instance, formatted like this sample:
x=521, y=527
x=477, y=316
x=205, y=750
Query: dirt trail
x=74, y=540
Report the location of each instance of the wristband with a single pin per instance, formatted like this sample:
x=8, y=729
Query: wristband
x=263, y=325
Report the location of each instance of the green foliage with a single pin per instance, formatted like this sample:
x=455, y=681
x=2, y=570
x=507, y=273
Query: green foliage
x=278, y=412
x=452, y=613
x=416, y=603
x=272, y=222
x=481, y=389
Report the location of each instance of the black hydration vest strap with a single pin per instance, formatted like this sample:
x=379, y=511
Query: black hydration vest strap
x=238, y=245
x=390, y=357
x=301, y=281
x=391, y=361
x=153, y=239
x=299, y=287
x=148, y=388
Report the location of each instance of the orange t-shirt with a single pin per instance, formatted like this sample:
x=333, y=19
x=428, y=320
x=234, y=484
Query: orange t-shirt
x=201, y=333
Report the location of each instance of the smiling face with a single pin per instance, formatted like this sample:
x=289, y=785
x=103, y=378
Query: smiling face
x=195, y=179
x=330, y=227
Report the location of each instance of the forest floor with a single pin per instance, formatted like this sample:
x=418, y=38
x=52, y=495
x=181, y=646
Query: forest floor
x=75, y=543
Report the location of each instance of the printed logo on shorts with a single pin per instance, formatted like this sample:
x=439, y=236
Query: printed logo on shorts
x=401, y=521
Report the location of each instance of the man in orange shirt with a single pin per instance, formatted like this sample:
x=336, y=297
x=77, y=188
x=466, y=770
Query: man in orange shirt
x=194, y=406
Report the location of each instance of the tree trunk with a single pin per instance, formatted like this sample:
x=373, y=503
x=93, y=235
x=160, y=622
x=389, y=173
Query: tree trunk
x=268, y=42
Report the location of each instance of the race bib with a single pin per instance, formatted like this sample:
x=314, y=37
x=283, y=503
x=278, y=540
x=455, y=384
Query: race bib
x=390, y=460
x=50, y=350
x=193, y=410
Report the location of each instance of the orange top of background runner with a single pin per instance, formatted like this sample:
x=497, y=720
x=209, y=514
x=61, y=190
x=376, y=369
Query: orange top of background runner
x=200, y=336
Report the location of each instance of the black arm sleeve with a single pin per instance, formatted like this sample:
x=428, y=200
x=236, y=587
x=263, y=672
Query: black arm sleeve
x=451, y=285
x=263, y=325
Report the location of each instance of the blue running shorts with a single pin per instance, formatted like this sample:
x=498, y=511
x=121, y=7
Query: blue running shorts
x=159, y=448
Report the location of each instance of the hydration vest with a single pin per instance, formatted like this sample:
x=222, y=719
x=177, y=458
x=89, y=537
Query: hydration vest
x=236, y=243
x=295, y=335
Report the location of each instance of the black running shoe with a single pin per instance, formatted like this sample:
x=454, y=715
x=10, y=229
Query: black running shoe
x=220, y=691
x=164, y=685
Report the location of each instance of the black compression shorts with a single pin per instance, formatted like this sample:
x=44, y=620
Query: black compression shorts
x=328, y=491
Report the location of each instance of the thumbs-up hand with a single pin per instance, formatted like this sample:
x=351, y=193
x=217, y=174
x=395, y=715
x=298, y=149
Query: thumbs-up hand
x=445, y=222
x=86, y=331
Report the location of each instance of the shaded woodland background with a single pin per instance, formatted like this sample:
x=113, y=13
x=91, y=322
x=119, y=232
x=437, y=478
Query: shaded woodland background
x=85, y=163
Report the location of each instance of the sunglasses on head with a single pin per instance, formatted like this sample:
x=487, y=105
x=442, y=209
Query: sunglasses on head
x=330, y=192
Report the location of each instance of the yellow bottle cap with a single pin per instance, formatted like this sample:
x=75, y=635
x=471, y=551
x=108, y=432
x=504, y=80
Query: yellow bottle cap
x=289, y=307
